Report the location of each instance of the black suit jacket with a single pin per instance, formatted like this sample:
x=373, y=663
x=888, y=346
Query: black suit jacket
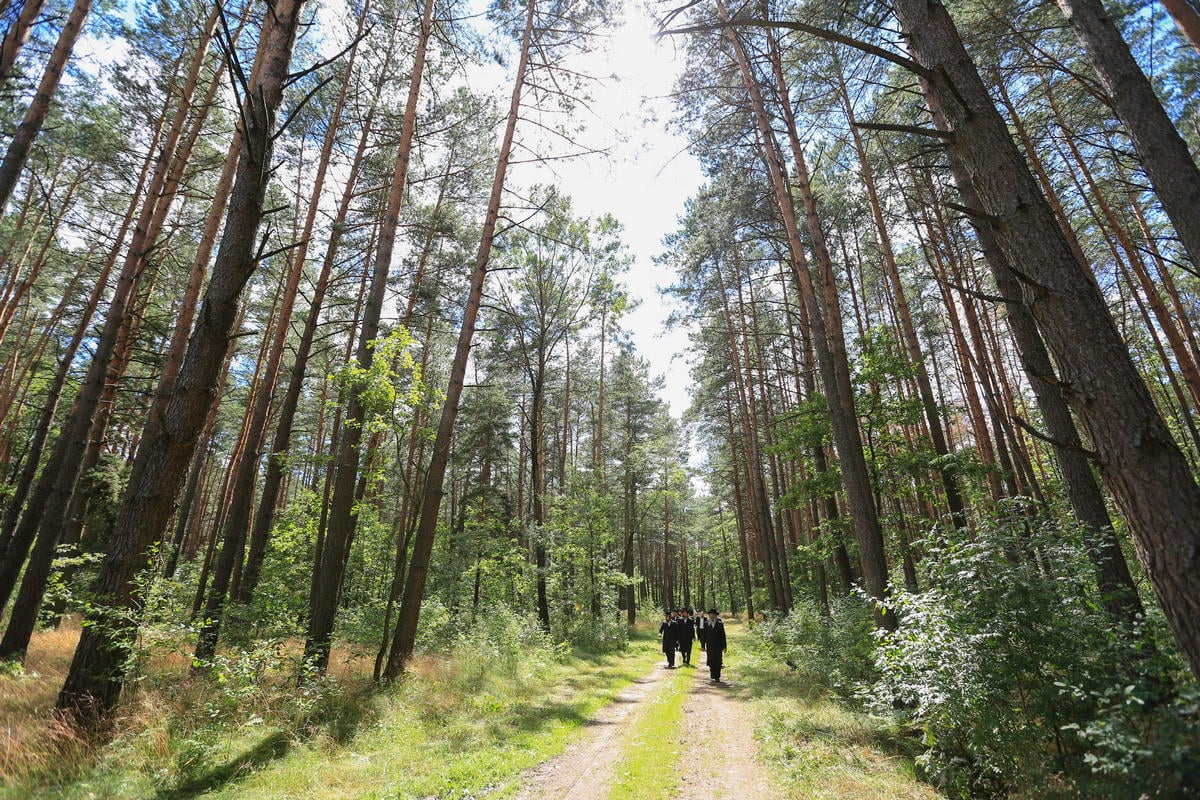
x=715, y=640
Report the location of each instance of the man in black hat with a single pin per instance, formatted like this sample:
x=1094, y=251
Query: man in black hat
x=715, y=645
x=667, y=630
x=701, y=628
x=686, y=634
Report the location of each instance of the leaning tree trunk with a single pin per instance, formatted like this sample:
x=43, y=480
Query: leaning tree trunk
x=820, y=295
x=1162, y=151
x=1140, y=462
x=1187, y=17
x=73, y=436
x=272, y=482
x=22, y=141
x=404, y=638
x=17, y=35
x=94, y=682
x=237, y=522
x=48, y=509
x=327, y=578
x=933, y=415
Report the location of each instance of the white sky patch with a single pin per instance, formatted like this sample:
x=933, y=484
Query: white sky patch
x=643, y=178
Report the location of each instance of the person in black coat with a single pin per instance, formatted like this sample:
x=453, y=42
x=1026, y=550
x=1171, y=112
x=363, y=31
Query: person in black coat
x=715, y=645
x=701, y=629
x=686, y=634
x=667, y=630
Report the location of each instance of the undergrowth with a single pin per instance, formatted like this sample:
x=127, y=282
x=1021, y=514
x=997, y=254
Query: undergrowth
x=496, y=697
x=1008, y=675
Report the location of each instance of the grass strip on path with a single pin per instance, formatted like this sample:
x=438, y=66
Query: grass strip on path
x=652, y=747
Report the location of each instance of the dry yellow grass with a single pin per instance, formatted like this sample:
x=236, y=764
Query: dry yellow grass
x=29, y=742
x=33, y=743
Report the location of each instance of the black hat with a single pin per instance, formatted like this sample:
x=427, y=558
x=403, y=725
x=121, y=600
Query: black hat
x=714, y=611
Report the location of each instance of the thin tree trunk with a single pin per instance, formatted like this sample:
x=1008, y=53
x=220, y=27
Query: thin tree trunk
x=17, y=35
x=328, y=578
x=22, y=141
x=237, y=522
x=406, y=624
x=912, y=343
x=820, y=294
x=1162, y=151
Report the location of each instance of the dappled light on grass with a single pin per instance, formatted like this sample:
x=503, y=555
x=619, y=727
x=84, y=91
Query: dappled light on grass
x=824, y=749
x=465, y=721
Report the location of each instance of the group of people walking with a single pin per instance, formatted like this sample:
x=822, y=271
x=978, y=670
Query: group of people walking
x=681, y=627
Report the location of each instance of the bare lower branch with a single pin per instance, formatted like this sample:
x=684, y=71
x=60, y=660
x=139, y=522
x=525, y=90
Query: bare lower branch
x=820, y=33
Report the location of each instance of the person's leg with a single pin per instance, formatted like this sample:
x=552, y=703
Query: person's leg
x=714, y=668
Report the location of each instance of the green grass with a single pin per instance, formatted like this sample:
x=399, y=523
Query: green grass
x=652, y=745
x=456, y=728
x=819, y=746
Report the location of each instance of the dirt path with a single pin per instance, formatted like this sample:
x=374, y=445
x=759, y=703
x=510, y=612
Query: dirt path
x=584, y=771
x=718, y=752
x=719, y=743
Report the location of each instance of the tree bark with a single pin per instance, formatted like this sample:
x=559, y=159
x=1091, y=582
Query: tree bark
x=18, y=34
x=404, y=638
x=328, y=578
x=22, y=141
x=94, y=682
x=1138, y=459
x=1162, y=151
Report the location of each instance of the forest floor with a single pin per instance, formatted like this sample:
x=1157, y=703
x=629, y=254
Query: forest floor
x=465, y=726
x=706, y=746
x=673, y=733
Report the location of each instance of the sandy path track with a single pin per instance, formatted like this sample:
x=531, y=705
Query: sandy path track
x=584, y=771
x=717, y=750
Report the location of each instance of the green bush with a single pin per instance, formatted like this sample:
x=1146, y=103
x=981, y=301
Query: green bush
x=1019, y=683
x=834, y=650
x=596, y=635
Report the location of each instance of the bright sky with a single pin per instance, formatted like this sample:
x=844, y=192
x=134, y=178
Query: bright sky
x=643, y=181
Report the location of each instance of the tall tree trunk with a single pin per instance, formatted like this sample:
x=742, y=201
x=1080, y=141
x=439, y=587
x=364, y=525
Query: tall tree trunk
x=912, y=344
x=94, y=682
x=431, y=494
x=1139, y=461
x=1162, y=151
x=51, y=502
x=328, y=578
x=281, y=444
x=17, y=35
x=22, y=141
x=241, y=504
x=820, y=294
